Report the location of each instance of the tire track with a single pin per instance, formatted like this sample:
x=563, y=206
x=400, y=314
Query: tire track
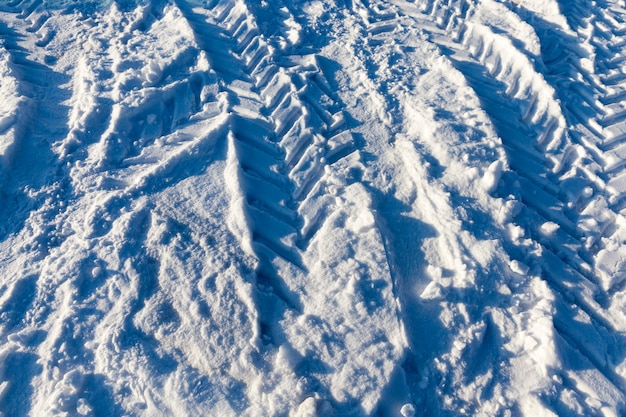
x=29, y=140
x=313, y=137
x=561, y=171
x=581, y=72
x=285, y=130
x=16, y=104
x=68, y=379
x=428, y=239
x=276, y=111
x=584, y=78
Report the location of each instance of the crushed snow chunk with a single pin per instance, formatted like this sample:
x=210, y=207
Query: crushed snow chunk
x=433, y=291
x=491, y=178
x=518, y=267
x=549, y=228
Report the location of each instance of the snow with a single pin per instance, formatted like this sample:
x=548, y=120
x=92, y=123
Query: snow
x=342, y=208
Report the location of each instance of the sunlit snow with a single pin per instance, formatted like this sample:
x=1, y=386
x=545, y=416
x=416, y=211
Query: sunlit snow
x=312, y=208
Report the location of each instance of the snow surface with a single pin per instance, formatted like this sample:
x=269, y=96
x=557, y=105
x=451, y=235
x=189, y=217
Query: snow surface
x=312, y=208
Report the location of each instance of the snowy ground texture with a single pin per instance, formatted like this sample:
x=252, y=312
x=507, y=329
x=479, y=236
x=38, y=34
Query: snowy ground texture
x=312, y=208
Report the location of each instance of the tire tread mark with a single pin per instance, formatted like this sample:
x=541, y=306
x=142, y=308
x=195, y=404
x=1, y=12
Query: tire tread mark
x=280, y=140
x=566, y=145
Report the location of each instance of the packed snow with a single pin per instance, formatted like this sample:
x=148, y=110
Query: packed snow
x=312, y=208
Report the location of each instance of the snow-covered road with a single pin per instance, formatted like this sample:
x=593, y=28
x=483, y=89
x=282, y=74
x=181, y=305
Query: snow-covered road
x=312, y=208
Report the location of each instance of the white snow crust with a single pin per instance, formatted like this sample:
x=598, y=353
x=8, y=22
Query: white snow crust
x=312, y=208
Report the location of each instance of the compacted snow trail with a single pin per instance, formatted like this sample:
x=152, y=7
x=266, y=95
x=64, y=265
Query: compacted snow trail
x=345, y=208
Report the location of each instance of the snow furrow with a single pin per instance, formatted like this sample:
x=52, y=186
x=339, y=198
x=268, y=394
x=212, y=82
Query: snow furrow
x=288, y=116
x=544, y=120
x=571, y=66
x=16, y=105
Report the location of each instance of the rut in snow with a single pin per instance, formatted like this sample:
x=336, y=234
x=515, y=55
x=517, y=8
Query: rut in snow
x=547, y=110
